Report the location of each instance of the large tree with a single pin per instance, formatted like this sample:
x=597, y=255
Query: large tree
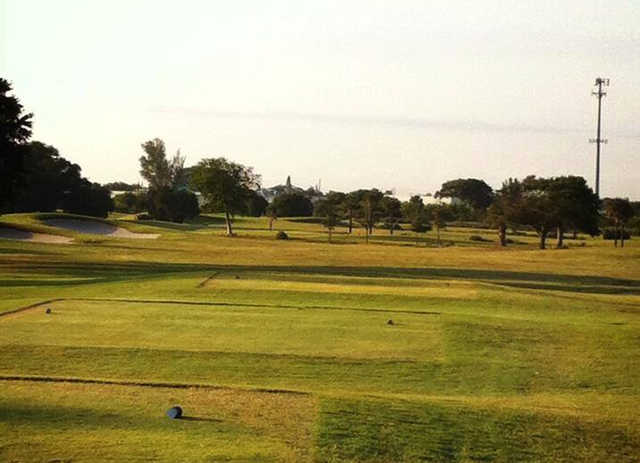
x=473, y=191
x=537, y=207
x=292, y=205
x=506, y=209
x=225, y=185
x=369, y=209
x=558, y=203
x=167, y=198
x=15, y=130
x=391, y=211
x=52, y=182
x=349, y=206
x=439, y=215
x=414, y=212
x=618, y=212
x=575, y=206
x=154, y=165
x=88, y=198
x=256, y=204
x=329, y=209
x=48, y=178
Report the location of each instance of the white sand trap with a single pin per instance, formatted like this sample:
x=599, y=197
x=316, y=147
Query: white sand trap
x=97, y=228
x=15, y=234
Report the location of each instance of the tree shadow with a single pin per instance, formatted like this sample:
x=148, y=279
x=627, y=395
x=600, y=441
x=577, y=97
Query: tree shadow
x=92, y=272
x=197, y=223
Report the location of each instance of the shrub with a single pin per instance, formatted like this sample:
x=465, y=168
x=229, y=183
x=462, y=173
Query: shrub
x=281, y=235
x=292, y=205
x=130, y=202
x=88, y=199
x=173, y=205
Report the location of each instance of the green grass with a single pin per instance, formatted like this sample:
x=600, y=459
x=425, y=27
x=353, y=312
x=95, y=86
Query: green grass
x=493, y=355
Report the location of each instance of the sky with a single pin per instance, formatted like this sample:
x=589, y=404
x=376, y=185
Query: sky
x=401, y=95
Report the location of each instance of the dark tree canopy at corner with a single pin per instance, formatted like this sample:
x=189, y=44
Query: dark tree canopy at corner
x=473, y=191
x=15, y=130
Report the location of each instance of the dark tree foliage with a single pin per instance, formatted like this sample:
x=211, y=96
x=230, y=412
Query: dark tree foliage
x=292, y=205
x=575, y=206
x=131, y=203
x=52, y=182
x=473, y=191
x=391, y=212
x=439, y=215
x=15, y=130
x=256, y=205
x=182, y=205
x=121, y=186
x=225, y=185
x=172, y=205
x=330, y=208
x=558, y=203
x=48, y=176
x=618, y=212
x=369, y=208
x=88, y=198
x=154, y=165
x=349, y=207
x=414, y=212
x=506, y=209
x=167, y=198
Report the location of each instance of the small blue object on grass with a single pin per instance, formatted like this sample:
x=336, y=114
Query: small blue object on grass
x=174, y=412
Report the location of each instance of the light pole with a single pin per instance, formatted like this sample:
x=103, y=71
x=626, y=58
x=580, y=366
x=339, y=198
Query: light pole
x=598, y=140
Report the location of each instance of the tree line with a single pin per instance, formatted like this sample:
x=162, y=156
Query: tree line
x=34, y=177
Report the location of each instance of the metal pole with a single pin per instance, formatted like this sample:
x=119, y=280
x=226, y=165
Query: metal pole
x=598, y=140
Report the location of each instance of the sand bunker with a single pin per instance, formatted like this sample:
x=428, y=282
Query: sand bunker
x=15, y=234
x=97, y=228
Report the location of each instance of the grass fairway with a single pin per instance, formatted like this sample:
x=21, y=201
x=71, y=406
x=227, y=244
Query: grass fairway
x=283, y=350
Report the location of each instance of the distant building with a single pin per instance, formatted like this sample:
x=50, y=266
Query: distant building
x=430, y=199
x=313, y=193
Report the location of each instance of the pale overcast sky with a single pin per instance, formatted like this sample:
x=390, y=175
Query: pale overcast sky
x=391, y=94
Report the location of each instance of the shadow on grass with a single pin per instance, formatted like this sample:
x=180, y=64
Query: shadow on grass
x=198, y=223
x=118, y=271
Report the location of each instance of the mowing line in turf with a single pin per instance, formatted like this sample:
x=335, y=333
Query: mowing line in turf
x=118, y=382
x=215, y=304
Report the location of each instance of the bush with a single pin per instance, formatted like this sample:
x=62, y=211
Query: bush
x=612, y=234
x=176, y=206
x=183, y=205
x=420, y=226
x=130, y=202
x=143, y=216
x=292, y=205
x=281, y=235
x=88, y=199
